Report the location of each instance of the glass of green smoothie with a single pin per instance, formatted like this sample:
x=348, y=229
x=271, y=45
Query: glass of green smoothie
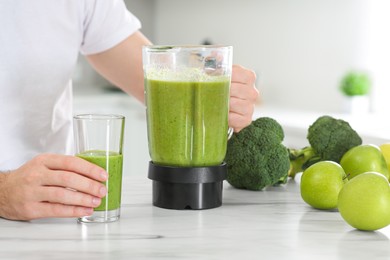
x=187, y=99
x=99, y=139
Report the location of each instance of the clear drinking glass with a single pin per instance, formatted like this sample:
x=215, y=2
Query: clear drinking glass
x=99, y=139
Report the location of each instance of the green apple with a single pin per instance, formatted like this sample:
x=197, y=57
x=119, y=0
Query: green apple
x=321, y=184
x=364, y=158
x=385, y=148
x=364, y=201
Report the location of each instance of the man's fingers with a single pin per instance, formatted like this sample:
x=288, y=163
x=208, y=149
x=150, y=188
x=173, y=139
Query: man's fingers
x=243, y=96
x=240, y=113
x=240, y=121
x=75, y=182
x=72, y=164
x=243, y=84
x=241, y=106
x=242, y=91
x=67, y=197
x=56, y=210
x=243, y=75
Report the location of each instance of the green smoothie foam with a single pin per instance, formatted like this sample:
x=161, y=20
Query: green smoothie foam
x=113, y=165
x=187, y=121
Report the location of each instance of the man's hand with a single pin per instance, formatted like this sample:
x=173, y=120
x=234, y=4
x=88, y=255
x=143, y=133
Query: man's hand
x=243, y=96
x=51, y=186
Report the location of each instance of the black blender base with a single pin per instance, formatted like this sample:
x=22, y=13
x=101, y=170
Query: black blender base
x=187, y=187
x=187, y=196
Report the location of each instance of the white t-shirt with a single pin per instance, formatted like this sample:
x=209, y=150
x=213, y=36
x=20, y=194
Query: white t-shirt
x=39, y=44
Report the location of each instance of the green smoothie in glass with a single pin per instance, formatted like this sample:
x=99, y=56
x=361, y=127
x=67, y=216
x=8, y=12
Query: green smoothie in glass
x=187, y=121
x=112, y=163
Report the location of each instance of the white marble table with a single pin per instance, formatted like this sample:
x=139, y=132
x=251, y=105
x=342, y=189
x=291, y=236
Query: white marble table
x=271, y=224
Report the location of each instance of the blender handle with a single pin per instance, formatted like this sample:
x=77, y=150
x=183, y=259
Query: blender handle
x=230, y=132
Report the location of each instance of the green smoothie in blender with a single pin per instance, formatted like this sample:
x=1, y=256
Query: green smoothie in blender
x=187, y=121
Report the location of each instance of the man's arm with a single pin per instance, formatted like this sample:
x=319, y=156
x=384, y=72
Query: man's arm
x=122, y=64
x=3, y=178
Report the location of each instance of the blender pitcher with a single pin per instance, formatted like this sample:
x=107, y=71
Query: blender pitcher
x=187, y=104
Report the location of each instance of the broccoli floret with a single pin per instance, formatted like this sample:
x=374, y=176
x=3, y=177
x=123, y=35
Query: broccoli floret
x=256, y=157
x=355, y=84
x=269, y=124
x=329, y=139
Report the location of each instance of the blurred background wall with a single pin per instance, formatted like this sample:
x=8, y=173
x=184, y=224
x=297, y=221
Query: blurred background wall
x=299, y=49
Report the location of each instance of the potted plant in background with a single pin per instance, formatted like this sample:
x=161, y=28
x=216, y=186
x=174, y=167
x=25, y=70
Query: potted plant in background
x=356, y=88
